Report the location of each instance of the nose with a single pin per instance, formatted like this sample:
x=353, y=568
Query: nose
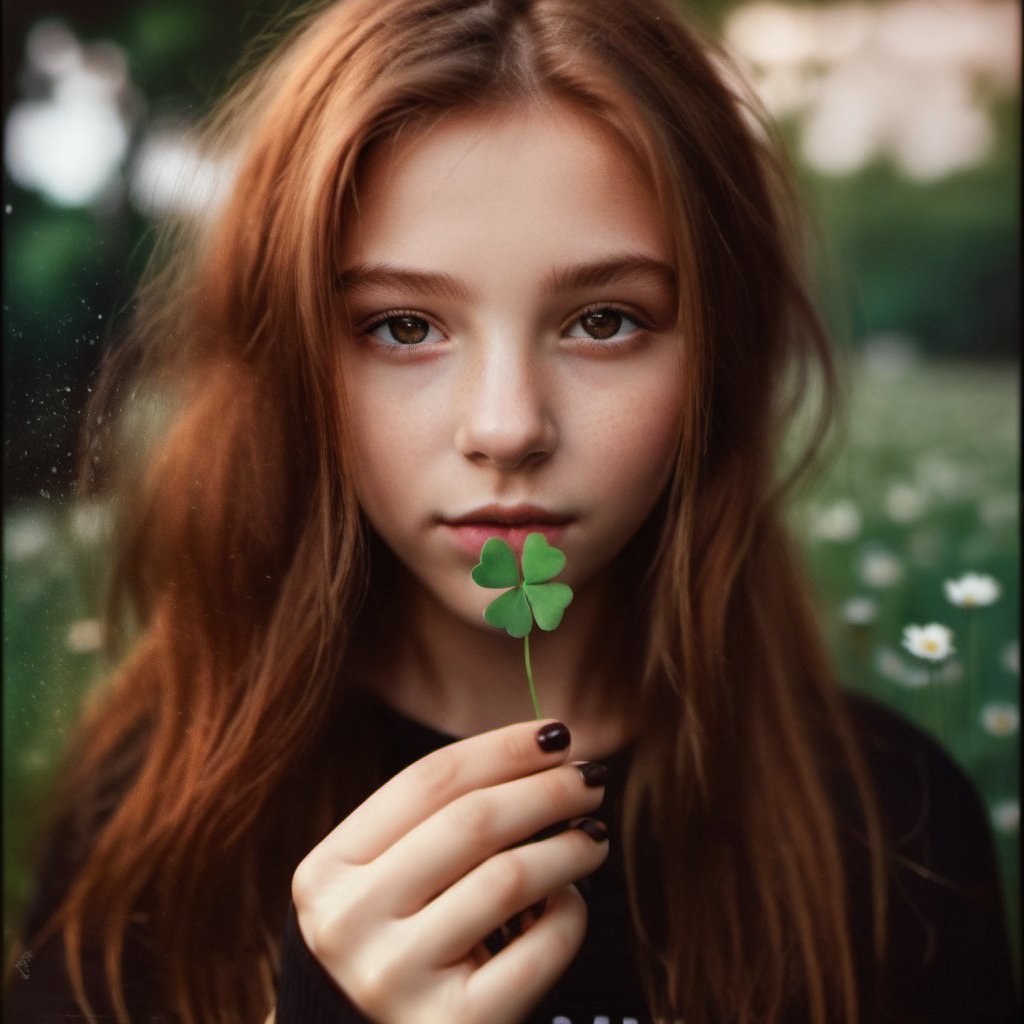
x=506, y=415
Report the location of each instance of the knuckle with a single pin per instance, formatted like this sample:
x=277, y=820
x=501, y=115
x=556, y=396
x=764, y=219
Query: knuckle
x=567, y=941
x=314, y=878
x=504, y=880
x=560, y=946
x=331, y=933
x=320, y=935
x=568, y=938
x=451, y=1002
x=437, y=773
x=475, y=1006
x=514, y=746
x=304, y=883
x=577, y=908
x=332, y=920
x=474, y=817
x=324, y=938
x=557, y=788
x=469, y=1014
x=371, y=982
x=375, y=972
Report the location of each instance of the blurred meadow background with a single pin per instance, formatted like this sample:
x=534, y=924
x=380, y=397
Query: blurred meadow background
x=902, y=117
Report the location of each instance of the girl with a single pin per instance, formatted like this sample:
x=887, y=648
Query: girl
x=490, y=268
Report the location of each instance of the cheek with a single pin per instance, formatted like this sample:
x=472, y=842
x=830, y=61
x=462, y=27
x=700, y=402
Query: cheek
x=638, y=441
x=388, y=439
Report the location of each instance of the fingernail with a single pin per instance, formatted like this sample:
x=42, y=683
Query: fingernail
x=552, y=737
x=594, y=774
x=546, y=833
x=597, y=830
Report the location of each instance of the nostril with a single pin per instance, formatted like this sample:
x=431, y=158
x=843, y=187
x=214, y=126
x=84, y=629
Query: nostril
x=506, y=444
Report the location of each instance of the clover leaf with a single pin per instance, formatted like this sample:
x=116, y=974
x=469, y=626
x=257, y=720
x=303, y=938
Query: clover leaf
x=497, y=568
x=529, y=596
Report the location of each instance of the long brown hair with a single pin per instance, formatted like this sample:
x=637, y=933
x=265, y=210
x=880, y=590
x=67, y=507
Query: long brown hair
x=244, y=561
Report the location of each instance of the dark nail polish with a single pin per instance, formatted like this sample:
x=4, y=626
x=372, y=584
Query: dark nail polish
x=597, y=830
x=594, y=774
x=546, y=833
x=552, y=737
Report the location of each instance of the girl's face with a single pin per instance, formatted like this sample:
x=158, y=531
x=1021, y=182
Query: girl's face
x=511, y=343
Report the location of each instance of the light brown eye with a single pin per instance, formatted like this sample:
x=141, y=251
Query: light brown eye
x=407, y=330
x=602, y=323
x=402, y=330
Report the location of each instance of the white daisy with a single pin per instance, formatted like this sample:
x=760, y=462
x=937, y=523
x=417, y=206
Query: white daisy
x=840, y=521
x=860, y=611
x=880, y=568
x=972, y=590
x=1000, y=718
x=1006, y=815
x=932, y=642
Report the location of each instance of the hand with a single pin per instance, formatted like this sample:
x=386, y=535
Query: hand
x=395, y=903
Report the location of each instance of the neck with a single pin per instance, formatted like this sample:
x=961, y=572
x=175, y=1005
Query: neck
x=464, y=679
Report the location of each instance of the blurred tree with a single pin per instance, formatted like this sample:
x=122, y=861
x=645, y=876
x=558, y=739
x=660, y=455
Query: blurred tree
x=70, y=272
x=937, y=261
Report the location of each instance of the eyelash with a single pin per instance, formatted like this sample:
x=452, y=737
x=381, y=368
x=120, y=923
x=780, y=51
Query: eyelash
x=630, y=343
x=395, y=351
x=594, y=345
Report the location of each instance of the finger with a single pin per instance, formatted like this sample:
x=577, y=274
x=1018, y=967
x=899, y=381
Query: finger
x=462, y=835
x=509, y=986
x=429, y=784
x=462, y=916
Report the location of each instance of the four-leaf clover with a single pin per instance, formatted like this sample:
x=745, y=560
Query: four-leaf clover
x=532, y=598
x=529, y=597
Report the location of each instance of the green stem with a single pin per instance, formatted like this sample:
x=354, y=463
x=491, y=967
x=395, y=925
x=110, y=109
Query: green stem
x=935, y=701
x=974, y=683
x=529, y=676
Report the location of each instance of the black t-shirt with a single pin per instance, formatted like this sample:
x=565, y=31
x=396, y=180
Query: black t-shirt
x=949, y=959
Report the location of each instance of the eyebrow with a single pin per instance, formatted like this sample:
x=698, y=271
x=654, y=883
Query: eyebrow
x=625, y=266
x=628, y=266
x=387, y=275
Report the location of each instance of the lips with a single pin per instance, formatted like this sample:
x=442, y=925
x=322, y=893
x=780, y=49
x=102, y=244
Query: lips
x=512, y=523
x=511, y=515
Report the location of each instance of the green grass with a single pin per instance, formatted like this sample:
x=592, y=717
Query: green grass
x=927, y=488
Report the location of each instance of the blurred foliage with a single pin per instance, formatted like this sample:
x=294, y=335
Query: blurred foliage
x=70, y=273
x=939, y=262
x=930, y=474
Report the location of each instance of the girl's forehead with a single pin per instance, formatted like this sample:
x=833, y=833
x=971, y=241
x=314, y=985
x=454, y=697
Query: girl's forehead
x=520, y=169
